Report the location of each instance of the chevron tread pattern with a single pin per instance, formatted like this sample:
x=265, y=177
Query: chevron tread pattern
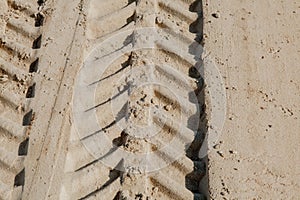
x=86, y=176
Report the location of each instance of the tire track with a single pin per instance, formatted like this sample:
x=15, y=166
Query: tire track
x=87, y=177
x=18, y=54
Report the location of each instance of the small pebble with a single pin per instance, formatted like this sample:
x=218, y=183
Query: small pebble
x=216, y=15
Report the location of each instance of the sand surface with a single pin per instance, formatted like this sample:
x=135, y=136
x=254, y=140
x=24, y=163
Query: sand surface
x=148, y=100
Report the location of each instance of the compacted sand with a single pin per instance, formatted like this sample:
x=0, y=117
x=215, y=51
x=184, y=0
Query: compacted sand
x=255, y=44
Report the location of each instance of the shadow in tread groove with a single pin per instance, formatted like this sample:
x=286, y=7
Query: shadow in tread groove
x=34, y=66
x=23, y=148
x=37, y=43
x=31, y=91
x=39, y=20
x=27, y=119
x=20, y=179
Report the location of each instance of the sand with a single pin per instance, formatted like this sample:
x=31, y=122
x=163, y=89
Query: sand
x=149, y=99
